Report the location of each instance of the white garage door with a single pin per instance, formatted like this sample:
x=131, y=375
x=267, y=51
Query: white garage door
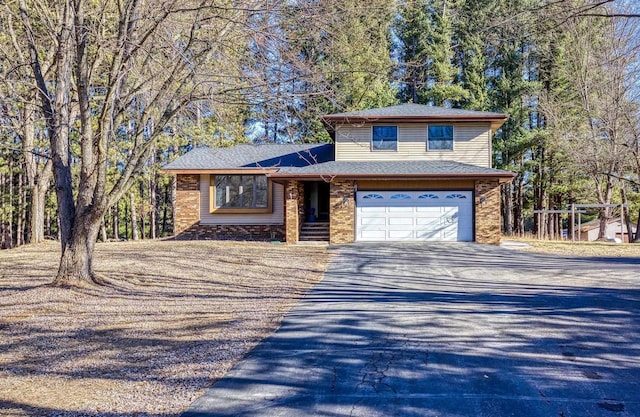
x=414, y=215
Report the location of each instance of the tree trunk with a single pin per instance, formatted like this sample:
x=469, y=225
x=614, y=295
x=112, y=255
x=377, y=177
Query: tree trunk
x=38, y=176
x=604, y=220
x=142, y=213
x=134, y=217
x=508, y=209
x=539, y=193
x=11, y=201
x=604, y=197
x=103, y=230
x=125, y=216
x=5, y=231
x=38, y=202
x=20, y=226
x=174, y=196
x=116, y=222
x=637, y=238
x=625, y=217
x=153, y=222
x=558, y=206
x=519, y=212
x=48, y=222
x=76, y=267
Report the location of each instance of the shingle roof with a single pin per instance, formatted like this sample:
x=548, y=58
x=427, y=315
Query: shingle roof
x=390, y=168
x=307, y=160
x=413, y=110
x=414, y=113
x=252, y=156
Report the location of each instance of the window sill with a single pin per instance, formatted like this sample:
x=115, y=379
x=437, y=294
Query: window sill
x=242, y=210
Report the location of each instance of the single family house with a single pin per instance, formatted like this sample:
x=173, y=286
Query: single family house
x=402, y=173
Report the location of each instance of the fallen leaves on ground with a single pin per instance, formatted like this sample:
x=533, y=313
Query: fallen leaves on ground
x=173, y=317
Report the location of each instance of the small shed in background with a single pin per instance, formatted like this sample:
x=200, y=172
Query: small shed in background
x=615, y=228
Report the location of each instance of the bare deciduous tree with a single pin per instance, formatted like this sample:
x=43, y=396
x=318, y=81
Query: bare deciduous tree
x=117, y=67
x=590, y=108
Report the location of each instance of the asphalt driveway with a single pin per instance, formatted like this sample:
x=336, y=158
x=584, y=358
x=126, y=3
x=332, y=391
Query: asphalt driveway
x=448, y=330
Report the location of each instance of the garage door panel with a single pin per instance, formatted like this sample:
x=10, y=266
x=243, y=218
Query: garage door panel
x=428, y=216
x=450, y=230
x=432, y=234
x=444, y=216
x=401, y=210
x=373, y=235
x=373, y=221
x=401, y=234
x=405, y=221
x=428, y=223
x=375, y=209
x=433, y=210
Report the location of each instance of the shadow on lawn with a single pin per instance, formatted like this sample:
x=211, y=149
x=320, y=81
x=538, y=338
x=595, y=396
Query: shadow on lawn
x=231, y=304
x=410, y=330
x=24, y=409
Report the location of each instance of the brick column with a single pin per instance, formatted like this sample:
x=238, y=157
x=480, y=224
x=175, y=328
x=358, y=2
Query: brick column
x=187, y=202
x=302, y=215
x=488, y=221
x=293, y=199
x=342, y=207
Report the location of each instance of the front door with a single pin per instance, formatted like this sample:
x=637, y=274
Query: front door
x=316, y=201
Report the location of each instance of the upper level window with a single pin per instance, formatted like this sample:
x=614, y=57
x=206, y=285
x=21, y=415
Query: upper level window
x=385, y=138
x=440, y=138
x=241, y=192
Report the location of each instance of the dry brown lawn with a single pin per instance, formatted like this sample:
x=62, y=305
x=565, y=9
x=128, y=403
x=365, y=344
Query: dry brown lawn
x=590, y=249
x=174, y=317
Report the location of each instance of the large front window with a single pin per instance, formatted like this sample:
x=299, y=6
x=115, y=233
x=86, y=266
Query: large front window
x=241, y=192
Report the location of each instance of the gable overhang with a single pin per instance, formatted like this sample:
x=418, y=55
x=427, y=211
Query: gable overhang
x=220, y=171
x=505, y=177
x=330, y=122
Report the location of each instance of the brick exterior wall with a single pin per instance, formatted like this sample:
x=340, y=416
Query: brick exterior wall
x=342, y=212
x=187, y=218
x=232, y=232
x=302, y=215
x=187, y=202
x=294, y=210
x=488, y=222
